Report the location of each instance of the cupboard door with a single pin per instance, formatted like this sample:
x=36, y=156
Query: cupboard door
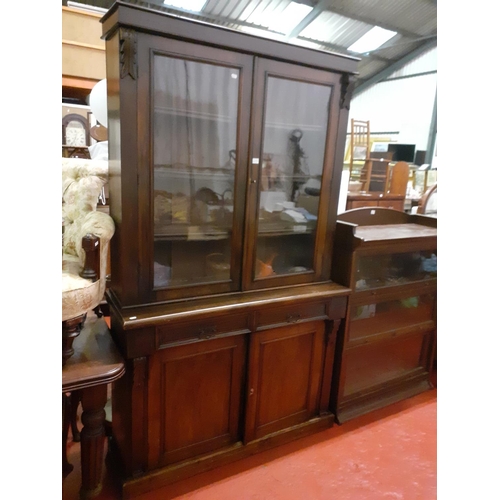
x=291, y=200
x=199, y=113
x=194, y=396
x=285, y=371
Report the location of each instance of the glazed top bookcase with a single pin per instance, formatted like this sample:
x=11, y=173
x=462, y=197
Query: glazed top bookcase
x=225, y=158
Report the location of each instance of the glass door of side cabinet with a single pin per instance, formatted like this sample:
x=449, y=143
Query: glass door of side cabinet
x=198, y=150
x=293, y=132
x=394, y=269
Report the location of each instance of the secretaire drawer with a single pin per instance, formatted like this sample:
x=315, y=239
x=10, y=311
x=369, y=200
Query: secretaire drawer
x=201, y=329
x=295, y=313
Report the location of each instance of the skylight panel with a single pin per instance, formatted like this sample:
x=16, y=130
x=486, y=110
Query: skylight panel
x=190, y=5
x=372, y=40
x=281, y=21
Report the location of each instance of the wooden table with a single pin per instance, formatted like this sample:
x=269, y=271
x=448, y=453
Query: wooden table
x=95, y=363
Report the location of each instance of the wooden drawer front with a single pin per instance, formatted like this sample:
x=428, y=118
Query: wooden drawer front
x=394, y=204
x=361, y=204
x=295, y=313
x=201, y=329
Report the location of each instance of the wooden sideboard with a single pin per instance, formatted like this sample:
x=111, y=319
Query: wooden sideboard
x=359, y=200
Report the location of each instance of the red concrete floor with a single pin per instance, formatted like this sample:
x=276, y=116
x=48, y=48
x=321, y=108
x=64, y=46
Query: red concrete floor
x=387, y=454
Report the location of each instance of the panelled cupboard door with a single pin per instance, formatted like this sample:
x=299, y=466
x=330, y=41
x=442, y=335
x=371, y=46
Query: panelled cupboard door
x=291, y=200
x=194, y=398
x=285, y=368
x=195, y=101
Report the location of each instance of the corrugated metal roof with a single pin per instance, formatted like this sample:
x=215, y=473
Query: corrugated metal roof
x=416, y=16
x=370, y=67
x=334, y=26
x=422, y=64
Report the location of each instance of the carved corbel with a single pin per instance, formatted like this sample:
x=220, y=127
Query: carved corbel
x=347, y=88
x=128, y=53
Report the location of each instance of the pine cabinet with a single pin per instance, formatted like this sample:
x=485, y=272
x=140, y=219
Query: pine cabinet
x=225, y=155
x=389, y=259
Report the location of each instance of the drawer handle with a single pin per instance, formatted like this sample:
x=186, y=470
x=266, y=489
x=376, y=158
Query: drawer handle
x=207, y=333
x=293, y=318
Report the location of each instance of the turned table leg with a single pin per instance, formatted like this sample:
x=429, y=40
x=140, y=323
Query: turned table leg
x=66, y=466
x=75, y=399
x=92, y=438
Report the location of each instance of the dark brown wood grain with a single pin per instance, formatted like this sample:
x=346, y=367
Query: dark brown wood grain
x=201, y=383
x=284, y=378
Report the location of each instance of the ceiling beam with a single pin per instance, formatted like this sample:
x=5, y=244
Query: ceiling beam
x=382, y=75
x=317, y=10
x=401, y=42
x=343, y=50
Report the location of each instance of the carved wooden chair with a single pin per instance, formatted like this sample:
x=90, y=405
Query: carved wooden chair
x=428, y=203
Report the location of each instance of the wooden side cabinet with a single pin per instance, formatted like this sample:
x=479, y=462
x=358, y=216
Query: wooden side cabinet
x=389, y=258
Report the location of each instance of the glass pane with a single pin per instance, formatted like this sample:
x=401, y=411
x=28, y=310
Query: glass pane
x=389, y=316
x=371, y=365
x=194, y=145
x=374, y=271
x=294, y=136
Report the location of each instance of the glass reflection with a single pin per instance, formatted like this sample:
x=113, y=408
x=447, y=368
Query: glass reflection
x=194, y=147
x=294, y=136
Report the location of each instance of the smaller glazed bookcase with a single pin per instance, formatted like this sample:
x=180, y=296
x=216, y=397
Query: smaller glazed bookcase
x=389, y=259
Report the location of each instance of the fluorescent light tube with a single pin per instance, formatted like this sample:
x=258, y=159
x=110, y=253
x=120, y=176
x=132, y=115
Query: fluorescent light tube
x=372, y=40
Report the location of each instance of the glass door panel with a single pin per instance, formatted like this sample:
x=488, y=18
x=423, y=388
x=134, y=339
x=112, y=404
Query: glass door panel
x=295, y=126
x=394, y=269
x=194, y=153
